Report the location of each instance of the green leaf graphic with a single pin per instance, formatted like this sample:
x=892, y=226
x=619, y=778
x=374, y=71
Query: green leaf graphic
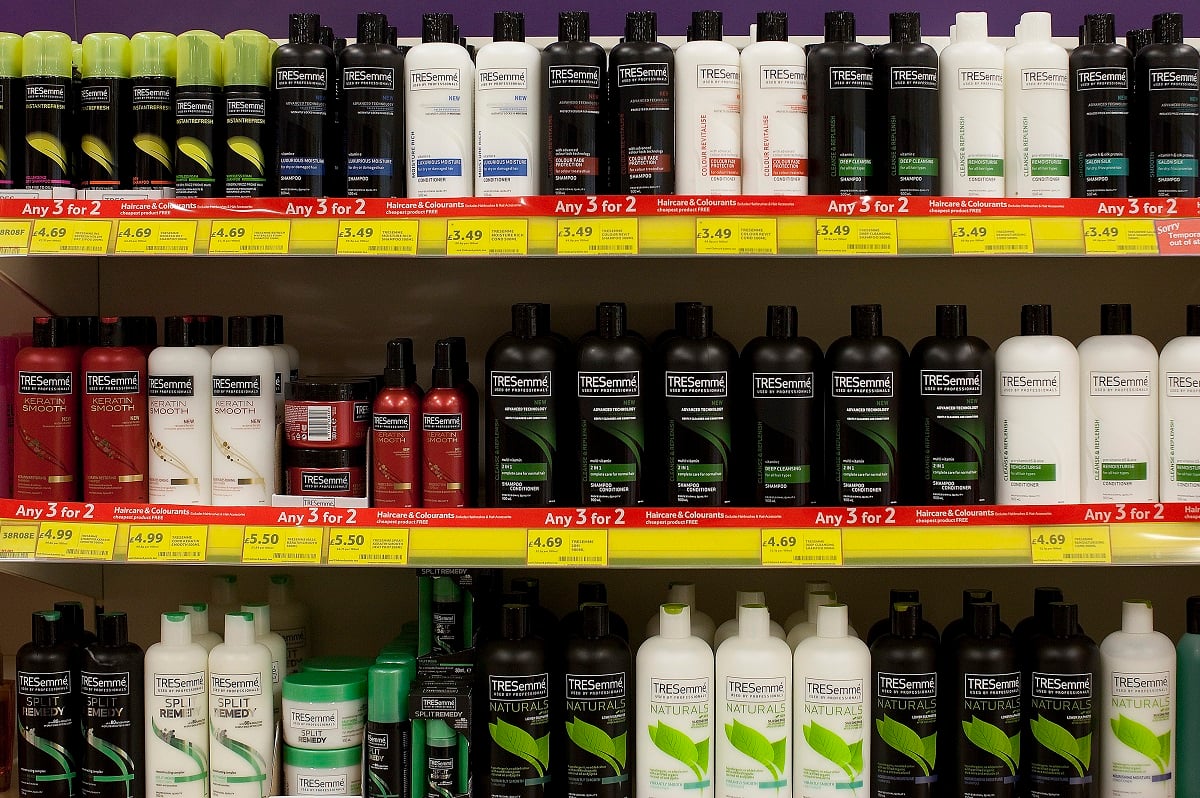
x=930, y=744
x=992, y=739
x=543, y=749
x=834, y=748
x=249, y=149
x=856, y=762
x=155, y=147
x=702, y=755
x=48, y=145
x=1084, y=744
x=1142, y=740
x=678, y=745
x=1058, y=740
x=621, y=747
x=751, y=743
x=98, y=150
x=595, y=741
x=1164, y=748
x=779, y=754
x=903, y=739
x=517, y=742
x=197, y=151
x=1014, y=745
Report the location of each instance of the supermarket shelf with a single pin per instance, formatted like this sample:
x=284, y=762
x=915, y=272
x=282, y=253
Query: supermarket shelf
x=646, y=225
x=602, y=537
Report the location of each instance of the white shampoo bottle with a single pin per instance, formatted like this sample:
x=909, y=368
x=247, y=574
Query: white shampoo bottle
x=1037, y=113
x=201, y=634
x=243, y=419
x=507, y=96
x=701, y=622
x=1138, y=746
x=1037, y=414
x=179, y=389
x=438, y=109
x=1179, y=415
x=730, y=627
x=972, y=102
x=176, y=713
x=708, y=111
x=754, y=710
x=1118, y=412
x=290, y=619
x=242, y=733
x=261, y=612
x=675, y=745
x=774, y=111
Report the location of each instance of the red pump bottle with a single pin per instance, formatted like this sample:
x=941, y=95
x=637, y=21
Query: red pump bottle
x=116, y=449
x=395, y=431
x=46, y=415
x=447, y=434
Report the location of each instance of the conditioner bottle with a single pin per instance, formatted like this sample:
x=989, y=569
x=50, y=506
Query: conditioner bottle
x=774, y=111
x=1179, y=414
x=176, y=723
x=115, y=445
x=1187, y=725
x=243, y=407
x=1037, y=113
x=439, y=81
x=507, y=94
x=972, y=104
x=242, y=730
x=179, y=389
x=48, y=717
x=708, y=111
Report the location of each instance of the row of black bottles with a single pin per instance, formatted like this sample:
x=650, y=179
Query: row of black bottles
x=79, y=708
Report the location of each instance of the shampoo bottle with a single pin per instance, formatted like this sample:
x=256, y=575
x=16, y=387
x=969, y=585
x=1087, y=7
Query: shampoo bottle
x=729, y=628
x=45, y=154
x=864, y=416
x=1038, y=623
x=641, y=91
x=674, y=741
x=1118, y=412
x=1139, y=714
x=115, y=445
x=438, y=104
x=754, y=685
x=907, y=112
x=113, y=712
x=46, y=415
x=701, y=623
x=774, y=111
x=242, y=730
x=507, y=93
x=1179, y=414
x=590, y=592
x=972, y=102
x=249, y=138
x=1168, y=95
x=243, y=405
x=12, y=113
x=202, y=636
x=261, y=613
x=372, y=111
x=103, y=98
x=290, y=619
x=151, y=133
x=396, y=463
x=832, y=678
x=952, y=377
x=962, y=624
x=1101, y=87
x=448, y=437
x=176, y=723
x=303, y=79
x=572, y=98
x=48, y=718
x=199, y=115
x=1037, y=113
x=1037, y=414
x=73, y=629
x=897, y=599
x=708, y=111
x=782, y=438
x=1187, y=725
x=179, y=396
x=840, y=79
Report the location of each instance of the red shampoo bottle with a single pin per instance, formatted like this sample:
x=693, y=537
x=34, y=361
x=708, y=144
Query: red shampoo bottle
x=447, y=434
x=395, y=431
x=115, y=433
x=46, y=415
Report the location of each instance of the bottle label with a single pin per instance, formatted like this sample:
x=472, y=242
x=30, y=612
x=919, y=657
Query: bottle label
x=104, y=684
x=1119, y=383
x=914, y=77
x=95, y=98
x=1183, y=384
x=243, y=110
x=45, y=383
x=235, y=684
x=785, y=431
x=718, y=76
x=195, y=110
x=314, y=719
x=757, y=711
x=573, y=76
x=904, y=721
x=441, y=422
x=1044, y=79
x=780, y=385
x=699, y=437
x=981, y=78
x=952, y=383
x=326, y=784
x=989, y=736
x=647, y=74
x=851, y=77
x=1140, y=733
x=108, y=724
x=1102, y=78
x=832, y=717
x=597, y=726
x=704, y=384
x=855, y=384
x=231, y=385
x=50, y=96
x=955, y=436
x=783, y=76
x=680, y=728
x=1174, y=79
x=614, y=436
x=369, y=78
x=521, y=383
x=518, y=718
x=301, y=78
x=47, y=721
x=866, y=436
x=524, y=437
x=111, y=382
x=441, y=79
x=510, y=79
x=325, y=482
x=152, y=98
x=44, y=684
x=391, y=422
x=599, y=384
x=1030, y=383
x=174, y=685
x=170, y=385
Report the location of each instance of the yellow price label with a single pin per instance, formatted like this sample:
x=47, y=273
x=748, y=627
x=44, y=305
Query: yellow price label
x=70, y=237
x=821, y=547
x=282, y=544
x=617, y=236
x=991, y=236
x=368, y=546
x=14, y=236
x=167, y=543
x=156, y=237
x=250, y=237
x=567, y=547
x=736, y=236
x=1070, y=545
x=1120, y=237
x=377, y=237
x=75, y=540
x=487, y=237
x=17, y=540
x=856, y=237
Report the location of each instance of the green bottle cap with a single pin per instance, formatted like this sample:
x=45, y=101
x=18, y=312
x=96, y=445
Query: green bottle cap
x=153, y=55
x=199, y=58
x=105, y=55
x=439, y=733
x=76, y=55
x=387, y=691
x=46, y=53
x=10, y=55
x=247, y=59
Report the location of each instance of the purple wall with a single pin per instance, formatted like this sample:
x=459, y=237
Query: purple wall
x=270, y=16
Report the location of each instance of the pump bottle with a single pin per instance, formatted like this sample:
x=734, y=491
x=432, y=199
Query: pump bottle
x=1168, y=97
x=103, y=98
x=438, y=104
x=372, y=111
x=448, y=436
x=840, y=79
x=176, y=723
x=572, y=108
x=150, y=143
x=48, y=716
x=199, y=115
x=303, y=74
x=46, y=444
x=774, y=111
x=972, y=104
x=708, y=111
x=396, y=431
x=45, y=155
x=249, y=137
x=729, y=628
x=113, y=712
x=701, y=623
x=1179, y=414
x=507, y=115
x=641, y=90
x=12, y=113
x=115, y=444
x=1187, y=724
x=242, y=729
x=1037, y=113
x=201, y=635
x=179, y=390
x=1101, y=87
x=907, y=145
x=243, y=379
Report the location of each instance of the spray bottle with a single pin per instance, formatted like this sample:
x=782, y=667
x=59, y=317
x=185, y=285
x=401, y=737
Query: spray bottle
x=199, y=115
x=151, y=135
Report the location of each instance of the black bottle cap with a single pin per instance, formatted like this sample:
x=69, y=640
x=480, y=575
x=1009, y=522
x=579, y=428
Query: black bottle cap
x=47, y=627
x=437, y=28
x=400, y=370
x=772, y=26
x=83, y=331
x=985, y=618
x=641, y=26
x=1138, y=38
x=112, y=629
x=681, y=311
x=973, y=596
x=1193, y=320
x=1036, y=320
x=213, y=330
x=839, y=26
x=699, y=321
x=514, y=621
x=707, y=26
x=1043, y=597
x=443, y=364
x=905, y=26
x=180, y=331
x=72, y=615
x=1193, y=615
x=610, y=319
x=525, y=320
x=689, y=36
x=325, y=36
x=951, y=321
x=242, y=332
x=595, y=619
x=115, y=331
x=339, y=44
x=1063, y=618
x=50, y=331
x=263, y=332
x=146, y=328
x=1099, y=29
x=1116, y=319
x=530, y=587
x=391, y=37
x=592, y=592
x=903, y=595
x=866, y=321
x=1168, y=28
x=574, y=26
x=458, y=358
x=782, y=321
x=304, y=28
x=543, y=314
x=508, y=26
x=906, y=619
x=372, y=28
x=1083, y=38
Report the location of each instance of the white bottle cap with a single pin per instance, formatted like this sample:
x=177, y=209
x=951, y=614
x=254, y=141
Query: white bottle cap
x=224, y=589
x=1035, y=26
x=970, y=26
x=953, y=34
x=1137, y=616
x=745, y=597
x=833, y=620
x=815, y=600
x=813, y=586
x=675, y=621
x=176, y=629
x=1018, y=35
x=198, y=613
x=279, y=589
x=262, y=617
x=682, y=593
x=754, y=621
x=239, y=629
